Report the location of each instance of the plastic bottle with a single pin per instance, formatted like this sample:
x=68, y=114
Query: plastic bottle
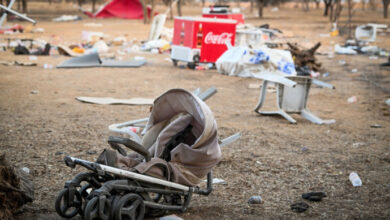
x=355, y=179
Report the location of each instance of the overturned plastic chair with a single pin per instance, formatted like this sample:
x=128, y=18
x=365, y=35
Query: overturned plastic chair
x=292, y=93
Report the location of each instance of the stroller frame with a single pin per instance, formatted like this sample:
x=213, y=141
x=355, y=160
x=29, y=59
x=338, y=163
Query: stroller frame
x=107, y=195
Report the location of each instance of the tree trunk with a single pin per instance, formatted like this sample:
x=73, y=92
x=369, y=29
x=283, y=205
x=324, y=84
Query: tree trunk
x=145, y=11
x=372, y=4
x=152, y=11
x=171, y=9
x=260, y=6
x=179, y=7
x=327, y=3
x=24, y=6
x=335, y=12
x=305, y=5
x=93, y=6
x=251, y=10
x=385, y=7
x=350, y=18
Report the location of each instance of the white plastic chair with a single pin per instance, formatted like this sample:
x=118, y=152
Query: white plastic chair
x=291, y=97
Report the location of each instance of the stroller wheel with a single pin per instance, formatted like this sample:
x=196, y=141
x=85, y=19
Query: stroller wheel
x=84, y=190
x=97, y=208
x=66, y=208
x=130, y=206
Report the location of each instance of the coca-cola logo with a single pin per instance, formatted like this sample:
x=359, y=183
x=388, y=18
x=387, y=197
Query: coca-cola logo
x=212, y=38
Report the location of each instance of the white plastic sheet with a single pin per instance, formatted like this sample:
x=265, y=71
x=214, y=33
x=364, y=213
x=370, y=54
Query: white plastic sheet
x=245, y=62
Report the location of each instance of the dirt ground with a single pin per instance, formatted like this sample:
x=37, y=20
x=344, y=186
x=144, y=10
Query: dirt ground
x=273, y=158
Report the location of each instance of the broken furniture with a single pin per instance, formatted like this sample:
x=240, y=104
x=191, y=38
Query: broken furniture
x=292, y=93
x=367, y=32
x=93, y=60
x=158, y=23
x=9, y=10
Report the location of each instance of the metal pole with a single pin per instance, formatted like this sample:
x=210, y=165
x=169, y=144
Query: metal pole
x=18, y=14
x=5, y=13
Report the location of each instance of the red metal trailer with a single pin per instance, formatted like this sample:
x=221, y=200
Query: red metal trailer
x=201, y=40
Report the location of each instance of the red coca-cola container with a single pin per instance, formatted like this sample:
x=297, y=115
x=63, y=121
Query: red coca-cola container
x=201, y=40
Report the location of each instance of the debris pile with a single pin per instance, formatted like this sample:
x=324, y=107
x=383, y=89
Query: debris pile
x=15, y=189
x=304, y=60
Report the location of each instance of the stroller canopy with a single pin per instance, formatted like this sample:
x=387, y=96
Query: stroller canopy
x=192, y=159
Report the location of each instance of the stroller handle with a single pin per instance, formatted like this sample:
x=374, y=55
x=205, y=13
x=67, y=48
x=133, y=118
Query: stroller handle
x=131, y=145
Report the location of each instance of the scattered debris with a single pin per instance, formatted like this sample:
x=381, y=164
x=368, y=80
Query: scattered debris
x=342, y=62
x=113, y=101
x=93, y=60
x=299, y=207
x=376, y=126
x=22, y=50
x=16, y=29
x=26, y=170
x=344, y=50
x=33, y=58
x=67, y=51
x=314, y=196
x=93, y=25
x=59, y=153
x=304, y=149
x=16, y=63
x=325, y=74
x=305, y=58
x=48, y=66
x=217, y=181
x=91, y=152
x=67, y=18
x=387, y=102
x=245, y=62
x=255, y=200
x=254, y=85
x=354, y=70
x=355, y=179
x=352, y=99
x=170, y=217
x=34, y=92
x=100, y=47
x=358, y=144
x=37, y=30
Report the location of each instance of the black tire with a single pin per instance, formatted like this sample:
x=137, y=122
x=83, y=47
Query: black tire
x=175, y=62
x=92, y=209
x=191, y=65
x=196, y=59
x=134, y=207
x=62, y=206
x=83, y=190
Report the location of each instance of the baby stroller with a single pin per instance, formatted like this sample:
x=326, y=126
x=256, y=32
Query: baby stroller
x=178, y=149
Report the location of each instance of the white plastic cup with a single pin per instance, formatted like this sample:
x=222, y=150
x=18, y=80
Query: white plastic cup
x=355, y=179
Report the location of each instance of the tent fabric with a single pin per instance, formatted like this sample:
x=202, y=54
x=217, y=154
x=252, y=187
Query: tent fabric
x=127, y=9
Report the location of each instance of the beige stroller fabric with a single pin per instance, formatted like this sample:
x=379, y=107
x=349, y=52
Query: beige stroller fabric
x=190, y=161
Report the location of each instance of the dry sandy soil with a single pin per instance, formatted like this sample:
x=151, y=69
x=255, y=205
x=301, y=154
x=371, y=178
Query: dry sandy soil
x=274, y=159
